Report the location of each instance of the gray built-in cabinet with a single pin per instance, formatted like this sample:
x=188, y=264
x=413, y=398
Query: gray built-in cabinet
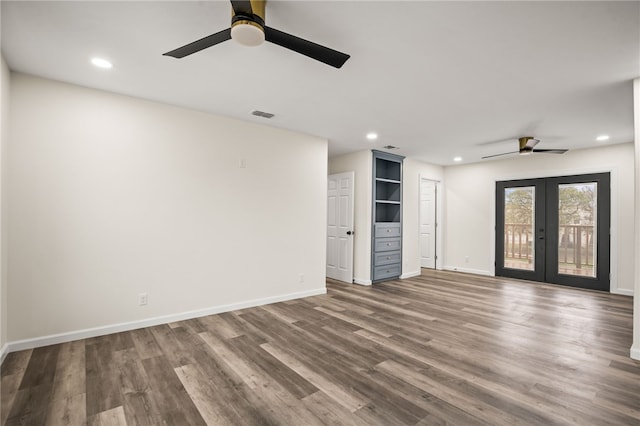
x=386, y=244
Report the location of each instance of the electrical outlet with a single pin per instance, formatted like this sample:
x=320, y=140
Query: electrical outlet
x=466, y=259
x=301, y=278
x=143, y=299
x=242, y=163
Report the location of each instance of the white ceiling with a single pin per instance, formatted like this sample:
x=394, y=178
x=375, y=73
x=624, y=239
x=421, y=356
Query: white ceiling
x=436, y=79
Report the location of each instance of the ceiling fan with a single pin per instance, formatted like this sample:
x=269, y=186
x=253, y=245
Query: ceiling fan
x=248, y=28
x=527, y=144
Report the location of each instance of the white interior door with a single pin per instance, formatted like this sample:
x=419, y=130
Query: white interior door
x=340, y=227
x=428, y=223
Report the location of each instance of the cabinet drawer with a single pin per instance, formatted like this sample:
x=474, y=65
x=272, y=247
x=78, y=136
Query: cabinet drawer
x=388, y=271
x=387, y=244
x=386, y=258
x=387, y=230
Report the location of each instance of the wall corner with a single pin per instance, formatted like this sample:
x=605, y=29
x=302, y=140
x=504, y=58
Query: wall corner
x=635, y=348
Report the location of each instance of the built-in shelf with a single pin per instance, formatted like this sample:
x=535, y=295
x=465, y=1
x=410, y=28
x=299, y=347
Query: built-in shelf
x=387, y=213
x=387, y=190
x=386, y=243
x=388, y=169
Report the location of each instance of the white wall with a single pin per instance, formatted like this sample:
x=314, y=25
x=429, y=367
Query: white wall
x=359, y=162
x=412, y=170
x=111, y=196
x=470, y=205
x=4, y=136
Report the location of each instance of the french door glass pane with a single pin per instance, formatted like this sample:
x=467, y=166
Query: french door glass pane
x=577, y=229
x=519, y=222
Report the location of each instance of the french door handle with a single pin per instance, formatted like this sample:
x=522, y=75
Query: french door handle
x=350, y=233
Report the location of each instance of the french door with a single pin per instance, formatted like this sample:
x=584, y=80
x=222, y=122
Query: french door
x=555, y=230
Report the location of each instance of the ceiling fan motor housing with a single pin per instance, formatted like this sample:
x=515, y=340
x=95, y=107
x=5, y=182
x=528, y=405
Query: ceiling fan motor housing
x=527, y=144
x=247, y=28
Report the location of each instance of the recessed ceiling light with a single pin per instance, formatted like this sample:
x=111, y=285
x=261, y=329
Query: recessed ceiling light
x=101, y=63
x=372, y=136
x=457, y=159
x=602, y=138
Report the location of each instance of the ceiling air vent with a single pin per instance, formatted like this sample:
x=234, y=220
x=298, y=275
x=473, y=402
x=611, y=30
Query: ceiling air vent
x=390, y=147
x=262, y=114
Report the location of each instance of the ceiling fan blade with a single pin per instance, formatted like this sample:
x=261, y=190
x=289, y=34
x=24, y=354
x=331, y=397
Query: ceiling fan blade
x=496, y=142
x=242, y=7
x=201, y=44
x=305, y=47
x=500, y=155
x=551, y=151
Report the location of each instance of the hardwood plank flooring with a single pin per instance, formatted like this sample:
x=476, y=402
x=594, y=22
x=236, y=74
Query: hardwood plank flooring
x=441, y=348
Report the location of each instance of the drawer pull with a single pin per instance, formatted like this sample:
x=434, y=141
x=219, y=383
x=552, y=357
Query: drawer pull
x=388, y=257
x=388, y=230
x=389, y=244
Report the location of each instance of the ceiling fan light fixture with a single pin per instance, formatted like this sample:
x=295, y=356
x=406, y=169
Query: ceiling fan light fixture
x=247, y=33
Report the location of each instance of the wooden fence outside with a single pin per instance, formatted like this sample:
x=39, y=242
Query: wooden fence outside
x=575, y=246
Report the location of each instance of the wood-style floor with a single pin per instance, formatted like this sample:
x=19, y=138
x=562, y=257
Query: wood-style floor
x=443, y=348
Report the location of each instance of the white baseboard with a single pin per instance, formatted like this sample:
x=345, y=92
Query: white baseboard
x=635, y=352
x=468, y=270
x=361, y=281
x=410, y=275
x=622, y=291
x=165, y=319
